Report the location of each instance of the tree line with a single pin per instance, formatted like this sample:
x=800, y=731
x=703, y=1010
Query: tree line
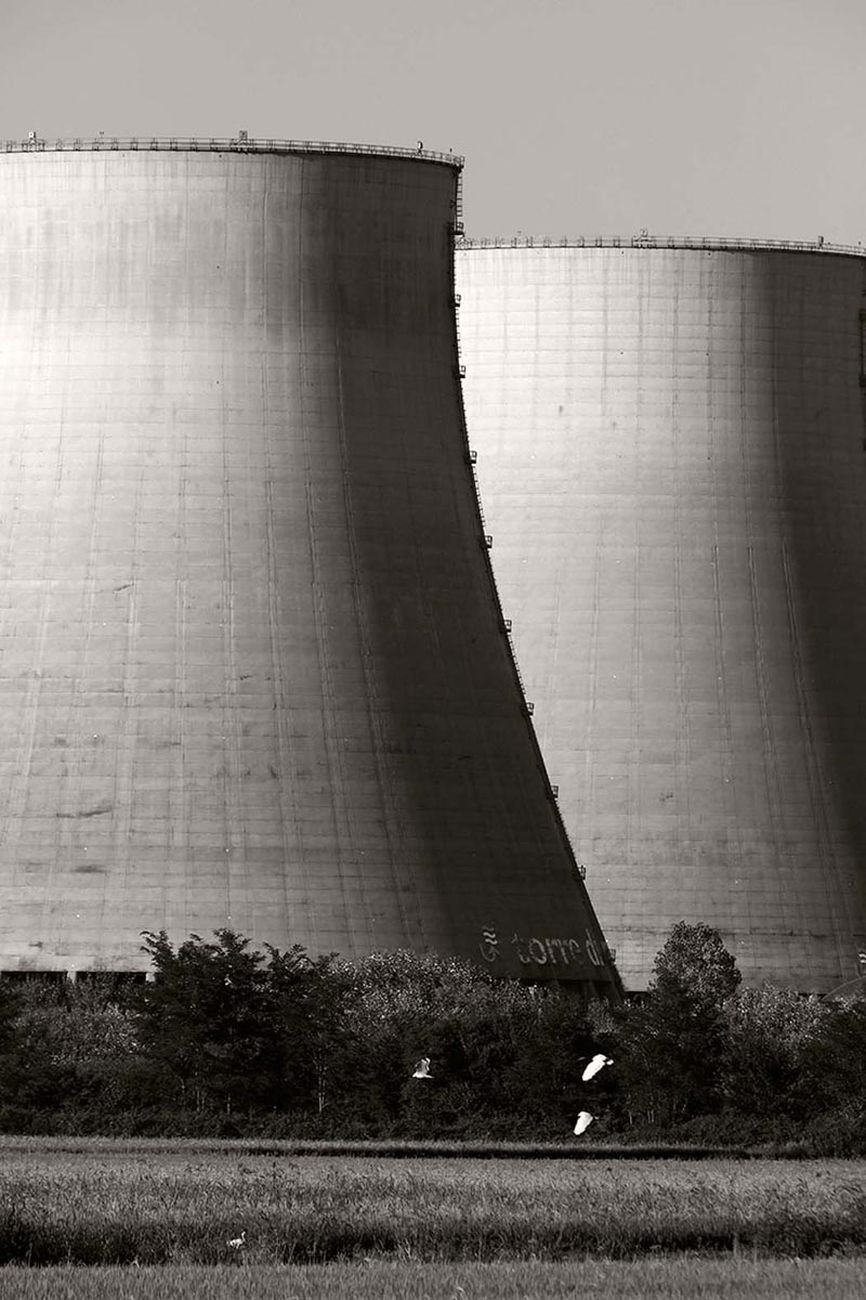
x=230, y=1041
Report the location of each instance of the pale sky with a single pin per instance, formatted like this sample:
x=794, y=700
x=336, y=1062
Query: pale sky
x=577, y=117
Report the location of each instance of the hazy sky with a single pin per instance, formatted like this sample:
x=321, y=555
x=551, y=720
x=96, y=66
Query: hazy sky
x=576, y=116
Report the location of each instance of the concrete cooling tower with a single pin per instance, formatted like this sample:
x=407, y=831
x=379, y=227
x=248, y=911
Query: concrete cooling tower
x=672, y=463
x=253, y=671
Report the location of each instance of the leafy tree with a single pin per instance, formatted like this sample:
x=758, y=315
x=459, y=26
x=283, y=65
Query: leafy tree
x=10, y=1038
x=674, y=1042
x=403, y=1003
x=552, y=1044
x=234, y=1027
x=76, y=1023
x=310, y=1010
x=695, y=970
x=770, y=1032
x=10, y=1002
x=36, y=1071
x=503, y=1054
x=834, y=1065
x=206, y=1018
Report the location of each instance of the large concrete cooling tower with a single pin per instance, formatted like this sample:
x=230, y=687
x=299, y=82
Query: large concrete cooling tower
x=254, y=673
x=672, y=462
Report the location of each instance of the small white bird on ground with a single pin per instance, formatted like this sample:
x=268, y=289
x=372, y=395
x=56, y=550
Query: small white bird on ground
x=237, y=1242
x=422, y=1069
x=584, y=1120
x=598, y=1062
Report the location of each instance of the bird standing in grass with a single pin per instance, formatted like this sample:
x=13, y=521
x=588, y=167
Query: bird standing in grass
x=422, y=1069
x=584, y=1120
x=237, y=1242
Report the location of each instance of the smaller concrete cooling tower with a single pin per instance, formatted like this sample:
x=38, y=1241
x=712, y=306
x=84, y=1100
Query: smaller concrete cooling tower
x=253, y=672
x=672, y=463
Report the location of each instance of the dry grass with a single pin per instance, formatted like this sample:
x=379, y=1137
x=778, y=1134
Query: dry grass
x=111, y=1206
x=567, y=1149
x=652, y=1279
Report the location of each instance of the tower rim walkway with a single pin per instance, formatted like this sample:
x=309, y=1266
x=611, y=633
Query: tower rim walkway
x=237, y=144
x=698, y=243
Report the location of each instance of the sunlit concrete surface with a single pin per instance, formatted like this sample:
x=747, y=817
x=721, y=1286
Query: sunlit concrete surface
x=252, y=669
x=672, y=463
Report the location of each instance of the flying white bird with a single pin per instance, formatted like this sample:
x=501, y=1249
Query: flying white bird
x=422, y=1069
x=237, y=1242
x=584, y=1120
x=598, y=1062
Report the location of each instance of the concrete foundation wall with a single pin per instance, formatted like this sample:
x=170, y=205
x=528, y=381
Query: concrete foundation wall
x=252, y=669
x=672, y=463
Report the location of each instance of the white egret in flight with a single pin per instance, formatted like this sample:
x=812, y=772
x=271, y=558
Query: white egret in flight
x=598, y=1062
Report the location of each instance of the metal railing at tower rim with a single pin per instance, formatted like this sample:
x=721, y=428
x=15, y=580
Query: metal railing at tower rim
x=697, y=242
x=101, y=143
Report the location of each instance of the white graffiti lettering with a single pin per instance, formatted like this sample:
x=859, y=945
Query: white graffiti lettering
x=517, y=943
x=489, y=944
x=554, y=946
x=538, y=952
x=551, y=950
x=592, y=952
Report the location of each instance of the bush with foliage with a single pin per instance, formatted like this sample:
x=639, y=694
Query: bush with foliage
x=768, y=1036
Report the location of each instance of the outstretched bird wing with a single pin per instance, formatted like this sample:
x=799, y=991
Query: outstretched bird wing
x=598, y=1062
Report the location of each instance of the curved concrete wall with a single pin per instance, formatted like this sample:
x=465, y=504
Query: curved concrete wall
x=672, y=463
x=253, y=670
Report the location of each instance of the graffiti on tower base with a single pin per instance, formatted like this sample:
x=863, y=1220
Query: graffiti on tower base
x=547, y=951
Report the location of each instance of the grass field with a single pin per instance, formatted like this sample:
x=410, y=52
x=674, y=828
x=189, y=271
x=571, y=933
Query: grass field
x=652, y=1279
x=181, y=1206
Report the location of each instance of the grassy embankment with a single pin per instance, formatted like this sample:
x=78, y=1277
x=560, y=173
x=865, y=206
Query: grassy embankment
x=180, y=1206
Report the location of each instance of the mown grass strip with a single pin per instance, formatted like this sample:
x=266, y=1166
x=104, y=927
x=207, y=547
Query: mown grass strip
x=655, y=1279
